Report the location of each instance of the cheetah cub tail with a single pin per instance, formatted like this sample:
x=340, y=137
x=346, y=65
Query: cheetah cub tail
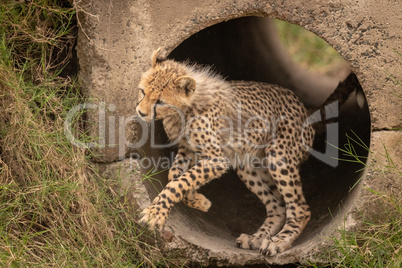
x=345, y=89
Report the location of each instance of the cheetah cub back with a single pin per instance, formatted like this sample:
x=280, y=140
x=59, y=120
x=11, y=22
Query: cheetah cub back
x=258, y=129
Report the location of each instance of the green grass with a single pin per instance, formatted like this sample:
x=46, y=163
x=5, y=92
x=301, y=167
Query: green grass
x=377, y=241
x=307, y=49
x=55, y=210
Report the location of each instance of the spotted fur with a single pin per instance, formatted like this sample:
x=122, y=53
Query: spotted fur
x=268, y=123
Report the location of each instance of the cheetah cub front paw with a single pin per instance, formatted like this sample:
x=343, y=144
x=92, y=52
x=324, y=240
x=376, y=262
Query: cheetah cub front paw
x=154, y=216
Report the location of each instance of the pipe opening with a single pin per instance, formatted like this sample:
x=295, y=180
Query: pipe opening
x=250, y=49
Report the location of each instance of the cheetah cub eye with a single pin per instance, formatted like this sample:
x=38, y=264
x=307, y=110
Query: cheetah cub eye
x=142, y=95
x=159, y=103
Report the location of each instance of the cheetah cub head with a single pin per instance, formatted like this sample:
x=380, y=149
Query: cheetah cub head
x=166, y=88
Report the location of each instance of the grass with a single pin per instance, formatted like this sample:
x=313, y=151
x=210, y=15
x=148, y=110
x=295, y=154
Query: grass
x=377, y=241
x=307, y=49
x=55, y=208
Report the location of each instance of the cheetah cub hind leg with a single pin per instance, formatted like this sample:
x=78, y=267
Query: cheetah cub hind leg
x=196, y=200
x=262, y=185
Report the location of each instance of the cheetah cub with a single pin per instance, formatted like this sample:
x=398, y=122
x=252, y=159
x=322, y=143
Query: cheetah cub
x=258, y=129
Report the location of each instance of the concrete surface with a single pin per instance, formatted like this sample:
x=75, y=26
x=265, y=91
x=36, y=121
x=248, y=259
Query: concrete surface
x=117, y=38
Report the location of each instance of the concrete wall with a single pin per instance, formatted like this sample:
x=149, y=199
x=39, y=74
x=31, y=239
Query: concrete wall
x=117, y=38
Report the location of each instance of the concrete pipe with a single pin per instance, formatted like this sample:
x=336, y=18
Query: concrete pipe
x=238, y=39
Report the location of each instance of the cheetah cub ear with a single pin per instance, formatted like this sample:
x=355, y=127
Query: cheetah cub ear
x=186, y=84
x=157, y=57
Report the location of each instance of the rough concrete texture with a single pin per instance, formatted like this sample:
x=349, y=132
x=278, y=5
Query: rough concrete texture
x=384, y=174
x=117, y=38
